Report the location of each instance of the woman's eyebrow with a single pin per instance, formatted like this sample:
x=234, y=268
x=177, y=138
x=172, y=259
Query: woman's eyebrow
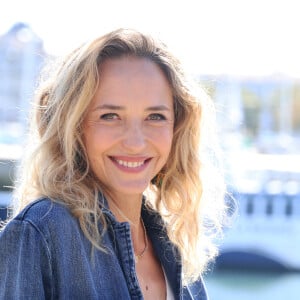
x=109, y=106
x=118, y=107
x=158, y=108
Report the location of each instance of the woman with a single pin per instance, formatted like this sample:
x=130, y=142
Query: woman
x=114, y=201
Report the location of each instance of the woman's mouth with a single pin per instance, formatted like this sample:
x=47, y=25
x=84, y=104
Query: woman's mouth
x=131, y=163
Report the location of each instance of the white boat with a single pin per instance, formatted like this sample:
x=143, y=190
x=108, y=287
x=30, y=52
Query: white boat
x=266, y=231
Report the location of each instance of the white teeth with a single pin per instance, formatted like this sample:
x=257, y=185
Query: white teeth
x=129, y=164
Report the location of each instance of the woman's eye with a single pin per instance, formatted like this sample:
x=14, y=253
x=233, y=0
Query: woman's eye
x=109, y=116
x=156, y=117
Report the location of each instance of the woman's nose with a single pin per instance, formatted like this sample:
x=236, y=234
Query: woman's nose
x=134, y=137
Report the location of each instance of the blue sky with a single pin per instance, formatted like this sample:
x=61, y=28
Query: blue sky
x=248, y=37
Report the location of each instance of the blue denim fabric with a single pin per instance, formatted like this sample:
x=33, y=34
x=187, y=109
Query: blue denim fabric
x=44, y=255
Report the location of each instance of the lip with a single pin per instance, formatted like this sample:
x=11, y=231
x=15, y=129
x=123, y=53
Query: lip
x=130, y=159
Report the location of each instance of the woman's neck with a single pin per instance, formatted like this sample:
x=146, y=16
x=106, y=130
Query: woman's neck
x=126, y=208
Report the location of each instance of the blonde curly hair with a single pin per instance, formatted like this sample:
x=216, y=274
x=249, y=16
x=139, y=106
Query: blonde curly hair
x=188, y=192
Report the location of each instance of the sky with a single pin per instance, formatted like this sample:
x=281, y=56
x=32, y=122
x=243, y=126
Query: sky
x=243, y=37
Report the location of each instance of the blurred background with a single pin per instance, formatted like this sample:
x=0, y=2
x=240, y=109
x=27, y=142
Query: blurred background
x=246, y=54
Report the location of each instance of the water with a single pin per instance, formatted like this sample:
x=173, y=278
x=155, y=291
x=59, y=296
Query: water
x=243, y=285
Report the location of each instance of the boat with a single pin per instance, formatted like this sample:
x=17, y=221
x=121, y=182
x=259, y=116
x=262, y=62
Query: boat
x=265, y=233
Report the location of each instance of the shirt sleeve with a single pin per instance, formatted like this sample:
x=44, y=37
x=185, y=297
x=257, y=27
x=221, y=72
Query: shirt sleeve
x=25, y=268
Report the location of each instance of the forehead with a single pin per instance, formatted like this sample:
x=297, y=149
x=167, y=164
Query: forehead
x=132, y=77
x=131, y=66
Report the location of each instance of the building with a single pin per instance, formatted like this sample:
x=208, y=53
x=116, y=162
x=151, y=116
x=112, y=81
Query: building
x=261, y=114
x=21, y=58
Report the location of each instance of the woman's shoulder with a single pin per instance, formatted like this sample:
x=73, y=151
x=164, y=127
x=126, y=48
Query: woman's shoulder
x=43, y=214
x=41, y=209
x=42, y=220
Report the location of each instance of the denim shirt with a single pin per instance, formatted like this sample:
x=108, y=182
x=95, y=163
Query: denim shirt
x=45, y=255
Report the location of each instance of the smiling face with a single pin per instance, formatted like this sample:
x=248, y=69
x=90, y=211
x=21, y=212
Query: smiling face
x=128, y=129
